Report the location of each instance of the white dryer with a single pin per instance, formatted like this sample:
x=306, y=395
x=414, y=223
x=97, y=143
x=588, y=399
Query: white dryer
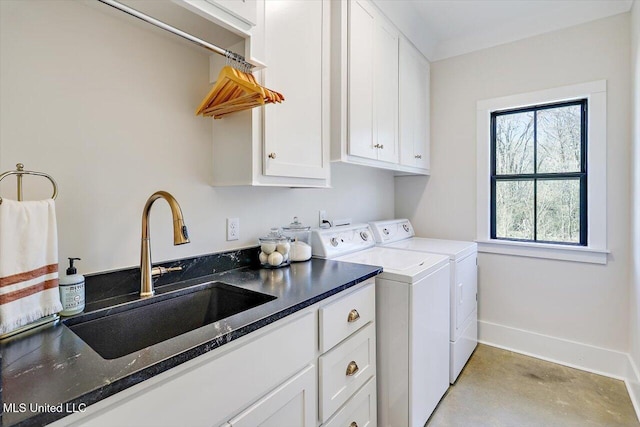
x=412, y=321
x=399, y=234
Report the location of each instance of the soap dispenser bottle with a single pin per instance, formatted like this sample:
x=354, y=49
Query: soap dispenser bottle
x=71, y=290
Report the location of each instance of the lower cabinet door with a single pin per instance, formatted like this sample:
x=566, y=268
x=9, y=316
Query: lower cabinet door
x=292, y=404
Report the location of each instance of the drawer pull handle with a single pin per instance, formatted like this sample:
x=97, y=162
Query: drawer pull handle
x=353, y=316
x=353, y=424
x=352, y=368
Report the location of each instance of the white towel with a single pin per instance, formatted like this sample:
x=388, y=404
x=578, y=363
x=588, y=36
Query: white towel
x=28, y=262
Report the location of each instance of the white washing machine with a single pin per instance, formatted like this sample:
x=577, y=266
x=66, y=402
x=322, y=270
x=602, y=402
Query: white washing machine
x=399, y=234
x=412, y=321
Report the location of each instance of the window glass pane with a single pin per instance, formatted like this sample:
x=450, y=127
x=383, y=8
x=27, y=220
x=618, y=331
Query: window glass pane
x=559, y=210
x=514, y=143
x=514, y=209
x=558, y=135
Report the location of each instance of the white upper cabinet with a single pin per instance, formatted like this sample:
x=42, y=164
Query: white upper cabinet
x=294, y=131
x=372, y=81
x=371, y=88
x=284, y=144
x=414, y=108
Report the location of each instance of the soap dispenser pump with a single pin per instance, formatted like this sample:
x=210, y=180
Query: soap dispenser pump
x=71, y=290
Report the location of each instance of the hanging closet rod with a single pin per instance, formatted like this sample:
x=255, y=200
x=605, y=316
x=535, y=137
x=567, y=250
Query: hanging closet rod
x=211, y=47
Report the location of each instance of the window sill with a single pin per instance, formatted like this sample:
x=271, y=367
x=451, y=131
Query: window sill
x=544, y=250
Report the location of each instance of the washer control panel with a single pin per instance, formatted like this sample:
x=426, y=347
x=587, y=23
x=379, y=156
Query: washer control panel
x=391, y=231
x=341, y=240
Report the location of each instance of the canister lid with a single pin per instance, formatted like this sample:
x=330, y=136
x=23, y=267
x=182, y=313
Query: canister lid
x=274, y=236
x=296, y=226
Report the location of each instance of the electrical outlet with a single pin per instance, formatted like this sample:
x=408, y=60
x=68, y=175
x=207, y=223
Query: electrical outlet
x=322, y=216
x=233, y=229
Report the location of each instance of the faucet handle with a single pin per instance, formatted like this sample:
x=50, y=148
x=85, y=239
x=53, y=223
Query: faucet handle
x=159, y=271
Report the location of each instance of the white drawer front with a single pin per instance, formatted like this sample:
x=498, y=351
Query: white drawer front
x=345, y=369
x=359, y=411
x=343, y=317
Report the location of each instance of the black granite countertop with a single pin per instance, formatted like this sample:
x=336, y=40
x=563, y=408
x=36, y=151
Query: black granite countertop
x=53, y=366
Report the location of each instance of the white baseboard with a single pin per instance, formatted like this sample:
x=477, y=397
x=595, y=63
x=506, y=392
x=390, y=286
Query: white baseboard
x=597, y=360
x=577, y=355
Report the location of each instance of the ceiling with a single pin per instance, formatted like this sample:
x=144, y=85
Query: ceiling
x=445, y=28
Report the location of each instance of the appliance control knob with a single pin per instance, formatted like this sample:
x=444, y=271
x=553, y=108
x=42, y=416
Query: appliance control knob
x=364, y=235
x=406, y=227
x=334, y=242
x=385, y=231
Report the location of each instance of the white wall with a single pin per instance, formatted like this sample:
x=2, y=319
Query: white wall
x=634, y=324
x=106, y=106
x=564, y=301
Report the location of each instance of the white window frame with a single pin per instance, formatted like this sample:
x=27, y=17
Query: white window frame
x=596, y=250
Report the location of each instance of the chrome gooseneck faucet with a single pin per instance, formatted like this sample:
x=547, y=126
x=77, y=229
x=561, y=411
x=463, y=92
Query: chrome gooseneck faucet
x=180, y=236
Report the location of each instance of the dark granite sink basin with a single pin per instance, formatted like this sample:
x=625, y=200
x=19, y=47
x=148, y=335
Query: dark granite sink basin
x=124, y=330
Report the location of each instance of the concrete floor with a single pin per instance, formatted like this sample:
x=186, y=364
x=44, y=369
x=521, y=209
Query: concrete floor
x=500, y=388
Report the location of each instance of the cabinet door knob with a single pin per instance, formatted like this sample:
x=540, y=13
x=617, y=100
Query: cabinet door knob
x=418, y=156
x=353, y=424
x=352, y=368
x=272, y=155
x=381, y=146
x=377, y=146
x=353, y=316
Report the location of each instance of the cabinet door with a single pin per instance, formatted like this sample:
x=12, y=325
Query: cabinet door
x=294, y=136
x=291, y=404
x=360, y=80
x=385, y=90
x=414, y=107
